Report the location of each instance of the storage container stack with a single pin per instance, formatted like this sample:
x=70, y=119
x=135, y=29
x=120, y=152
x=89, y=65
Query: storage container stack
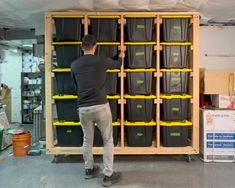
x=175, y=81
x=68, y=49
x=105, y=29
x=140, y=85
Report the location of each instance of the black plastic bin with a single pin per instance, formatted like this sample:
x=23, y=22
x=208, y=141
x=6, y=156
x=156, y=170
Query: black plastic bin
x=174, y=107
x=140, y=81
x=139, y=29
x=113, y=102
x=111, y=82
x=175, y=29
x=66, y=54
x=69, y=135
x=139, y=134
x=67, y=109
x=175, y=134
x=175, y=56
x=139, y=108
x=140, y=56
x=68, y=29
x=64, y=83
x=107, y=51
x=98, y=141
x=104, y=29
x=175, y=82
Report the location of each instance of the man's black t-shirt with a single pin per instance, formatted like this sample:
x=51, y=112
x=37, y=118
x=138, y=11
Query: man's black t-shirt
x=89, y=75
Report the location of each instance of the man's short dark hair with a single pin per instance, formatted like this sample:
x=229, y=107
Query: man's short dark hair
x=88, y=41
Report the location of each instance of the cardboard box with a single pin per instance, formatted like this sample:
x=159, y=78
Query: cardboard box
x=6, y=140
x=217, y=135
x=6, y=99
x=223, y=101
x=217, y=81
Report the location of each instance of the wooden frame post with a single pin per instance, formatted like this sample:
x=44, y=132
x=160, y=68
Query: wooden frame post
x=158, y=82
x=48, y=82
x=195, y=139
x=122, y=49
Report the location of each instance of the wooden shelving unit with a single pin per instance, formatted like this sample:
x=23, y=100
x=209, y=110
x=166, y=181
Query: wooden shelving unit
x=122, y=148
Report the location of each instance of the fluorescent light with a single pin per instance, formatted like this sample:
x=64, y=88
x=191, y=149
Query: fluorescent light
x=27, y=45
x=14, y=50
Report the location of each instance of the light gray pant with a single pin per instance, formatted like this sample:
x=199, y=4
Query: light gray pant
x=102, y=117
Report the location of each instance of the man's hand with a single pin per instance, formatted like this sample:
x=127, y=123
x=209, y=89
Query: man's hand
x=121, y=55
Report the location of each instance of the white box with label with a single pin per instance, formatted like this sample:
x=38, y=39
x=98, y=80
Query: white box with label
x=217, y=135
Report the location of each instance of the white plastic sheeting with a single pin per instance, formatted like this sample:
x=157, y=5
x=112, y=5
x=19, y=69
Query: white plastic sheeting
x=29, y=13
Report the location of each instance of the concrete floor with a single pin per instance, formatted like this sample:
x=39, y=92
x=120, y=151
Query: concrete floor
x=137, y=171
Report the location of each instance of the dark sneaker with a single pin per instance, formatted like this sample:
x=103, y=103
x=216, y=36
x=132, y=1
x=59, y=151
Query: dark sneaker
x=110, y=180
x=92, y=173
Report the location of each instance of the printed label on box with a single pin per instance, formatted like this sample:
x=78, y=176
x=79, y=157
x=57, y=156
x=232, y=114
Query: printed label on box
x=220, y=144
x=220, y=158
x=223, y=101
x=220, y=136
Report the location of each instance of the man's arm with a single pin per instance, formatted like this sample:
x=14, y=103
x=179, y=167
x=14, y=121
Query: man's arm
x=114, y=64
x=74, y=79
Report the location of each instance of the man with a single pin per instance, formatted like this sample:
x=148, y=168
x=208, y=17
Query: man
x=89, y=75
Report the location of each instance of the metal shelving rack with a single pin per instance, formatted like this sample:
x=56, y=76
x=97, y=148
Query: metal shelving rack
x=35, y=99
x=122, y=148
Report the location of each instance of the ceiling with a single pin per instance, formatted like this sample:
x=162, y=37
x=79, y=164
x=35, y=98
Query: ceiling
x=29, y=13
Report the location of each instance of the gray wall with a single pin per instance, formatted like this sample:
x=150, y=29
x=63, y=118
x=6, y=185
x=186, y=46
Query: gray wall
x=219, y=43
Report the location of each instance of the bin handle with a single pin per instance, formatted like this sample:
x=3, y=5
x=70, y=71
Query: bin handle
x=231, y=90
